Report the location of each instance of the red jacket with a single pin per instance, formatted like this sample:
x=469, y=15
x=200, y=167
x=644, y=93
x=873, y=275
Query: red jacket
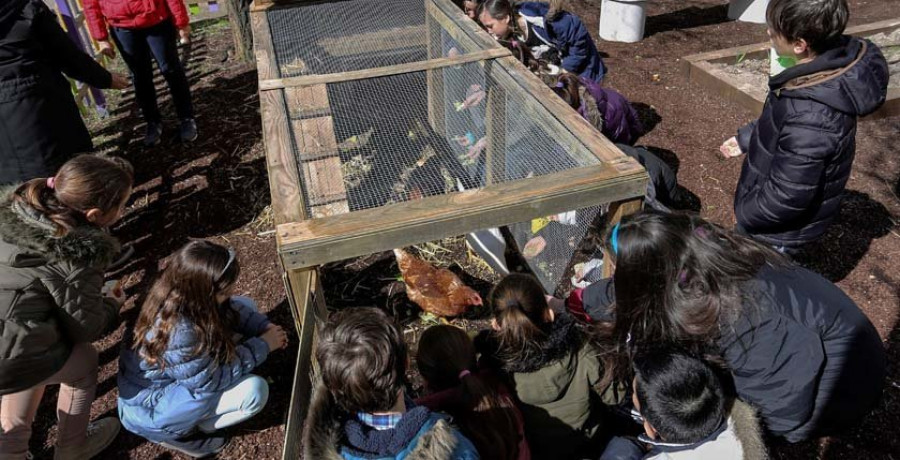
x=131, y=14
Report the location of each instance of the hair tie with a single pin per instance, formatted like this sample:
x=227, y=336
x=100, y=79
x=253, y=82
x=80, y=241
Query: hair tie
x=559, y=84
x=51, y=182
x=614, y=239
x=701, y=232
x=464, y=373
x=682, y=278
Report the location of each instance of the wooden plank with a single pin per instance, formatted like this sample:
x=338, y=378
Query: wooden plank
x=299, y=286
x=434, y=79
x=495, y=130
x=314, y=135
x=318, y=241
x=263, y=49
x=284, y=182
x=308, y=101
x=617, y=211
x=279, y=83
x=562, y=121
x=324, y=181
x=703, y=73
x=374, y=42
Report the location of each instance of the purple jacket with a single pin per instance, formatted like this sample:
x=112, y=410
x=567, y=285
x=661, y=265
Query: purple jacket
x=621, y=124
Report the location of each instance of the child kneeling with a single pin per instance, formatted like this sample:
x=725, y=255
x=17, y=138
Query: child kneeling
x=188, y=372
x=685, y=416
x=360, y=409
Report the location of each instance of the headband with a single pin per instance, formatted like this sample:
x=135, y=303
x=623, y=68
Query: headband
x=614, y=239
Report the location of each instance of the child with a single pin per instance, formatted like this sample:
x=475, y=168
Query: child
x=54, y=250
x=604, y=108
x=685, y=416
x=476, y=399
x=143, y=29
x=470, y=7
x=546, y=30
x=360, y=410
x=186, y=375
x=553, y=366
x=800, y=151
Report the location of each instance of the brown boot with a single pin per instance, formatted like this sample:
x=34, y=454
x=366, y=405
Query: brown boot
x=100, y=434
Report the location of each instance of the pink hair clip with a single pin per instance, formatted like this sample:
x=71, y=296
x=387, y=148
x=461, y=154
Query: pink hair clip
x=51, y=182
x=464, y=373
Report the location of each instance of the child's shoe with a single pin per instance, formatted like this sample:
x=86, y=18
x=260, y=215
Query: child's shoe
x=154, y=134
x=100, y=435
x=188, y=130
x=198, y=445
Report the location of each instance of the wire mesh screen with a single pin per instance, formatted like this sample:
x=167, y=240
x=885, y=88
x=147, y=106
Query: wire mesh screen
x=330, y=37
x=379, y=141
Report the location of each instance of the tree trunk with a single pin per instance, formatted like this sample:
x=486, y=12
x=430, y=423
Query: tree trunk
x=239, y=16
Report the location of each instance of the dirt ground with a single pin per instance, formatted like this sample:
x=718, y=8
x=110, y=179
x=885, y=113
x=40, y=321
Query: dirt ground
x=216, y=188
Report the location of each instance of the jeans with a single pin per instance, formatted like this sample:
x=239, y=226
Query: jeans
x=237, y=404
x=160, y=43
x=78, y=384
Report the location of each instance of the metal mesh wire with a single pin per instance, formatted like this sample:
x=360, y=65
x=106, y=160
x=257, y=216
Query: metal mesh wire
x=330, y=37
x=389, y=152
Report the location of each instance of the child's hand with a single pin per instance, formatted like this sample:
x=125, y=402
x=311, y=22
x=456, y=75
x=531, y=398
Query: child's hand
x=105, y=48
x=113, y=290
x=474, y=95
x=730, y=148
x=185, y=35
x=275, y=337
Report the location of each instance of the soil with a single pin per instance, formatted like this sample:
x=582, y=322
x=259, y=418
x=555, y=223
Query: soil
x=216, y=188
x=754, y=73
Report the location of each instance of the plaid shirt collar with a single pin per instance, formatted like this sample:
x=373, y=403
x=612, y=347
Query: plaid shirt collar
x=380, y=422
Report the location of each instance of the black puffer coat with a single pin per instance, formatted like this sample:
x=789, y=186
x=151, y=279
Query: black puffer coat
x=800, y=151
x=40, y=126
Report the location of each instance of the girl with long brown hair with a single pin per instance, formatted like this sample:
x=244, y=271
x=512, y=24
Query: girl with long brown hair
x=187, y=372
x=554, y=368
x=54, y=248
x=797, y=348
x=476, y=399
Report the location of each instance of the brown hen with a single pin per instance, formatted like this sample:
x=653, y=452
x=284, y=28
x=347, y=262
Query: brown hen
x=437, y=290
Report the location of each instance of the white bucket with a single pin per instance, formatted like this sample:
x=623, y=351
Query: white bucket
x=748, y=10
x=622, y=20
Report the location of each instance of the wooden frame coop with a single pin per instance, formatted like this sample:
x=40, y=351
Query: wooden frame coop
x=389, y=72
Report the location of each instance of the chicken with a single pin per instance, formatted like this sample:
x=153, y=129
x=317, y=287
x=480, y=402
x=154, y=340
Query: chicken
x=437, y=290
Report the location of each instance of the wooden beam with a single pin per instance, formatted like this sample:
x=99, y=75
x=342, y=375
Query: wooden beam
x=495, y=130
x=284, y=182
x=374, y=42
x=317, y=241
x=263, y=49
x=617, y=211
x=431, y=64
x=434, y=78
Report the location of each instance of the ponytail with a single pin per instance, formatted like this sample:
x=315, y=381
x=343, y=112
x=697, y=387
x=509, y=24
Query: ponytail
x=487, y=416
x=519, y=307
x=83, y=183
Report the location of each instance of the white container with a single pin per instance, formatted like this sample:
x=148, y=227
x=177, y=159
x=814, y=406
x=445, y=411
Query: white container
x=748, y=10
x=623, y=20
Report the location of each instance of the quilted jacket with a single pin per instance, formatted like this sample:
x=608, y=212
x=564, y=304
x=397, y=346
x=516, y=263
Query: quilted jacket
x=49, y=293
x=132, y=14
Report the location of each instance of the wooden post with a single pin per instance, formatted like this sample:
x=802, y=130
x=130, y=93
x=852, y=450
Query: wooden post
x=434, y=78
x=495, y=129
x=239, y=17
x=617, y=211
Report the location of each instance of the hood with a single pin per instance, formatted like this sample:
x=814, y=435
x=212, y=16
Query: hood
x=9, y=10
x=851, y=78
x=27, y=238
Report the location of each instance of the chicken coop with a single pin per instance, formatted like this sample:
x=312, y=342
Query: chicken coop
x=389, y=123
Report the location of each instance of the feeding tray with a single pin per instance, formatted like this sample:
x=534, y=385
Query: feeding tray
x=389, y=123
x=741, y=74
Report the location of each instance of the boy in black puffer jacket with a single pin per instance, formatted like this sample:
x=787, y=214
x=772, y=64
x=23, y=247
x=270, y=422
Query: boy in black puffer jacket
x=800, y=151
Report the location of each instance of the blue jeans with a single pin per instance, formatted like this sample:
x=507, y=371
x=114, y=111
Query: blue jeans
x=237, y=404
x=160, y=43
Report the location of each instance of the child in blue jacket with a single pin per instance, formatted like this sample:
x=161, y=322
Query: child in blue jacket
x=188, y=372
x=549, y=32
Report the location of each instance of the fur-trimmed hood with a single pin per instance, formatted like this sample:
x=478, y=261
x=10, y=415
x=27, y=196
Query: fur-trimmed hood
x=325, y=435
x=27, y=238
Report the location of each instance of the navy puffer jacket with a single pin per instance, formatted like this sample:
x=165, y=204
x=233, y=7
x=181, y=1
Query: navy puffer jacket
x=800, y=151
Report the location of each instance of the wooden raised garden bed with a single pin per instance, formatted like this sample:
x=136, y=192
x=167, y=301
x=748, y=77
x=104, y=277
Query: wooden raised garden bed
x=741, y=74
x=370, y=146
